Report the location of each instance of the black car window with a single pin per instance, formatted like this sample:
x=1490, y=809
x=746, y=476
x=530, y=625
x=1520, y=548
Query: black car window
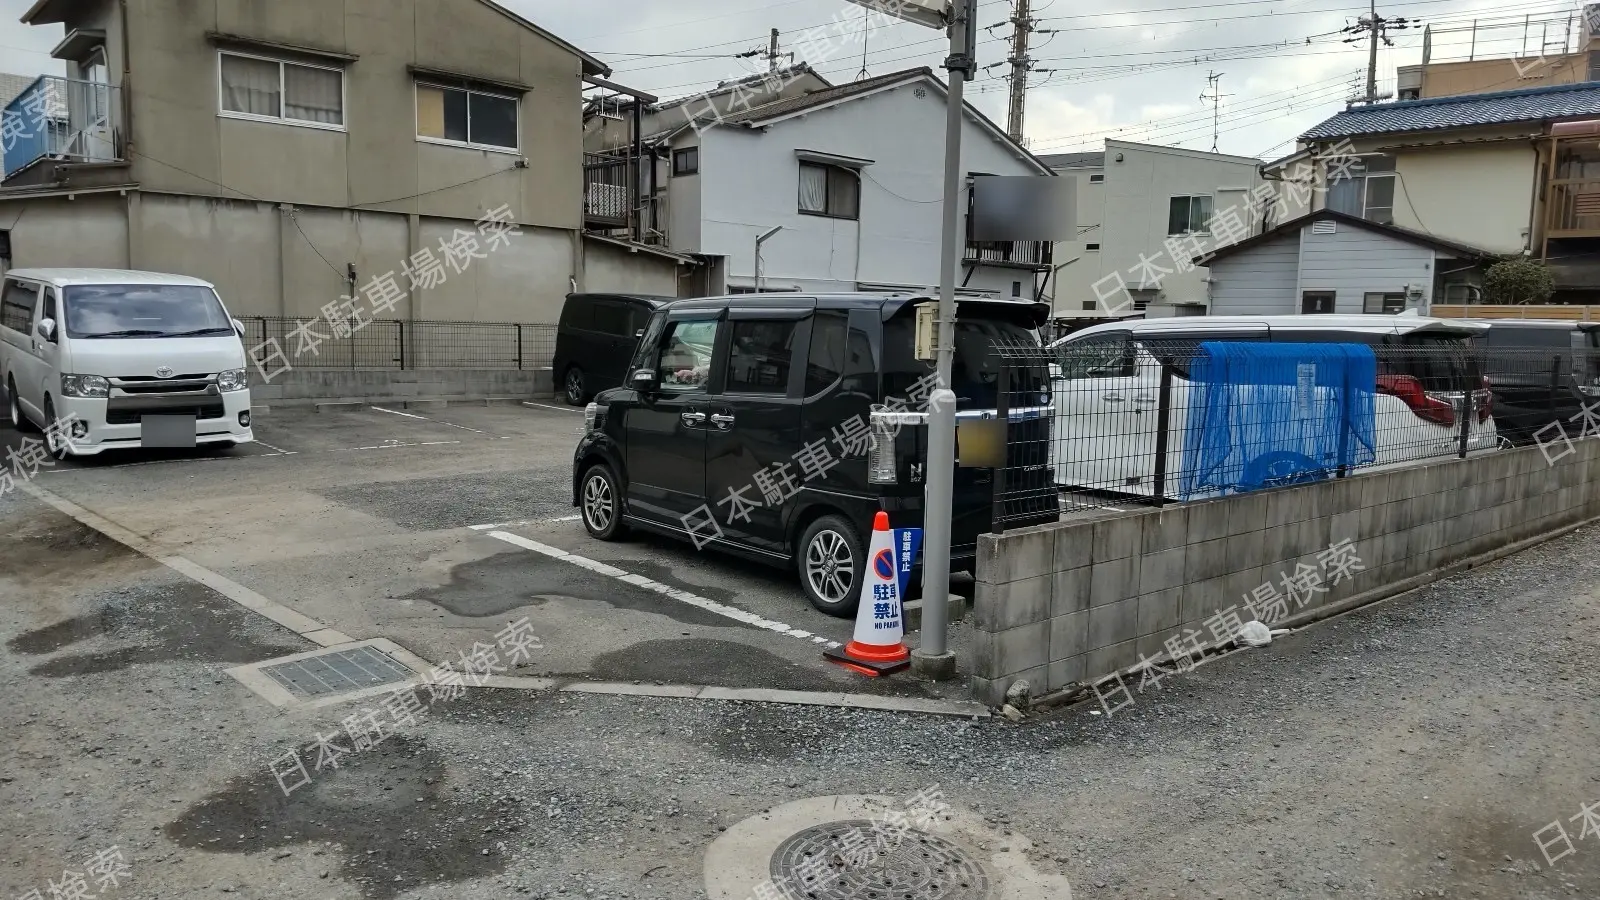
x=611, y=317
x=1100, y=356
x=1554, y=337
x=824, y=368
x=686, y=351
x=760, y=352
x=578, y=313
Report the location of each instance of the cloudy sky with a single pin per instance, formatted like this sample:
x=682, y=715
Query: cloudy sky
x=1129, y=70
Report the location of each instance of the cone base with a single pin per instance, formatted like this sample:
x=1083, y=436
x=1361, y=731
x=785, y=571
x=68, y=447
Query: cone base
x=869, y=660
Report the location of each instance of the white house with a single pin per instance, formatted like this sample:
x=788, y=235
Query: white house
x=853, y=174
x=1134, y=200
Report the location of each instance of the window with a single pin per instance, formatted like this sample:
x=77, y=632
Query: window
x=759, y=353
x=16, y=306
x=1363, y=187
x=686, y=161
x=1384, y=303
x=1096, y=179
x=460, y=116
x=1016, y=289
x=1101, y=356
x=1091, y=246
x=611, y=317
x=254, y=87
x=686, y=355
x=829, y=191
x=1089, y=306
x=1189, y=215
x=825, y=367
x=144, y=311
x=1316, y=302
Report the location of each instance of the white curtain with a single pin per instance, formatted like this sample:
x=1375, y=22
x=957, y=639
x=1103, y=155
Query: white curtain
x=813, y=188
x=250, y=85
x=312, y=95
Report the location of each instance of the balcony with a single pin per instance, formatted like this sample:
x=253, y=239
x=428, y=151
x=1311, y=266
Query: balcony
x=1033, y=255
x=1572, y=208
x=60, y=120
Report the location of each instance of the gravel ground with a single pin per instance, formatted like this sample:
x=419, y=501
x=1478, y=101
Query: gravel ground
x=1406, y=750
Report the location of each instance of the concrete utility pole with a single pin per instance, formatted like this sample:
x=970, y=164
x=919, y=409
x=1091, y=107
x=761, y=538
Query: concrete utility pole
x=1021, y=31
x=772, y=52
x=1376, y=28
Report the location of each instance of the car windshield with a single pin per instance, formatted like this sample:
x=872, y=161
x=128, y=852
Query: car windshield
x=144, y=310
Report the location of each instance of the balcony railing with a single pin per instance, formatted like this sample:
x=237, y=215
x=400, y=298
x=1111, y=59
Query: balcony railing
x=1019, y=254
x=607, y=199
x=1572, y=208
x=61, y=118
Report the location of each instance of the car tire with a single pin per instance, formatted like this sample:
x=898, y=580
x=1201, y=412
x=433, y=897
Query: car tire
x=573, y=387
x=19, y=419
x=830, y=558
x=58, y=448
x=600, y=502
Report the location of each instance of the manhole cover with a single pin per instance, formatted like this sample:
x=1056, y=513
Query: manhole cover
x=337, y=672
x=856, y=866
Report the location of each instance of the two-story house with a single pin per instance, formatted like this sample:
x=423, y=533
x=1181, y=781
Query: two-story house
x=1135, y=201
x=294, y=151
x=853, y=175
x=1475, y=177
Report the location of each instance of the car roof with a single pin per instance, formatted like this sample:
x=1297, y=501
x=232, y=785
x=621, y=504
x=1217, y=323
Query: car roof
x=63, y=277
x=890, y=302
x=655, y=300
x=1564, y=324
x=1352, y=322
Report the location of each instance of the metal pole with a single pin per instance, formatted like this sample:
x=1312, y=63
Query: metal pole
x=1372, y=57
x=1002, y=408
x=934, y=657
x=1163, y=429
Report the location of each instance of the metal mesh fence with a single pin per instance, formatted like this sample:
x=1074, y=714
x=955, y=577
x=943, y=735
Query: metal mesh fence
x=1141, y=422
x=392, y=344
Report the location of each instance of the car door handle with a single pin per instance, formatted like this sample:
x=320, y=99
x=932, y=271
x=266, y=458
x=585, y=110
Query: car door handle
x=721, y=421
x=1114, y=398
x=1144, y=398
x=694, y=418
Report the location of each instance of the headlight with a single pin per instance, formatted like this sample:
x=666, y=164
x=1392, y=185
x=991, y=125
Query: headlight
x=85, y=386
x=232, y=380
x=591, y=417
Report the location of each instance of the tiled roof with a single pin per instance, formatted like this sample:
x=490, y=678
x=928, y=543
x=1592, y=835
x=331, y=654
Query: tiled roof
x=819, y=98
x=1540, y=104
x=1074, y=160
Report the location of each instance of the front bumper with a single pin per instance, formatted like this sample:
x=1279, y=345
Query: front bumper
x=123, y=435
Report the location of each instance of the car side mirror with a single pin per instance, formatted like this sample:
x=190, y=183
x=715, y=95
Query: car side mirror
x=47, y=330
x=238, y=328
x=643, y=380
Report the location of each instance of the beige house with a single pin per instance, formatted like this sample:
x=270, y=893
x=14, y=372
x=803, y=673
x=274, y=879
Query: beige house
x=294, y=151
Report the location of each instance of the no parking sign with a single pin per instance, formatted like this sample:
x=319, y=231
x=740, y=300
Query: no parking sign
x=907, y=544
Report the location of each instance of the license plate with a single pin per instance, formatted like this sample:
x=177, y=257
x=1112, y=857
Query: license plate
x=167, y=431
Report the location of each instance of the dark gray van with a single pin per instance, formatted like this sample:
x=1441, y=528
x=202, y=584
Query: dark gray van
x=744, y=427
x=595, y=341
x=1546, y=373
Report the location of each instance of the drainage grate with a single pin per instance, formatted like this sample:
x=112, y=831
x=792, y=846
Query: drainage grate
x=337, y=672
x=920, y=867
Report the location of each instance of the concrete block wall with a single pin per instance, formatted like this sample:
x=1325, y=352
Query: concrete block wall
x=307, y=386
x=1074, y=601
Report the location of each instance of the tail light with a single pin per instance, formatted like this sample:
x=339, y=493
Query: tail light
x=1425, y=405
x=1485, y=401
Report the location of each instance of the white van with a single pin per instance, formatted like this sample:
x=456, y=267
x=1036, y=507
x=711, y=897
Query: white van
x=1106, y=392
x=106, y=359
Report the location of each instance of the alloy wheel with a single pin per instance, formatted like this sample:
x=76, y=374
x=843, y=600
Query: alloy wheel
x=574, y=386
x=830, y=568
x=599, y=505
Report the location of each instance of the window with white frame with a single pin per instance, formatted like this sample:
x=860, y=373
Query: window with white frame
x=461, y=116
x=1363, y=187
x=1189, y=214
x=273, y=90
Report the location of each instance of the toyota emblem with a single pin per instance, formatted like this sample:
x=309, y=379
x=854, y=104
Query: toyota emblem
x=163, y=372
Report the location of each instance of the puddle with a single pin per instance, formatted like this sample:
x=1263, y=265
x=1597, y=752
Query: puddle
x=508, y=581
x=393, y=822
x=155, y=623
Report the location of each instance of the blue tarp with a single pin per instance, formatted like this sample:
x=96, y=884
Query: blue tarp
x=1264, y=414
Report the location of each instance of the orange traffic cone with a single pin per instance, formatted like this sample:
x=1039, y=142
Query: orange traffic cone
x=878, y=647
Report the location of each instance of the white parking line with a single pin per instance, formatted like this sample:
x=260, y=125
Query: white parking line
x=522, y=522
x=394, y=412
x=434, y=421
x=738, y=615
x=565, y=409
x=281, y=451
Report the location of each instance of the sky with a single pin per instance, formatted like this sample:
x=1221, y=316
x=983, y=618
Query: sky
x=1128, y=70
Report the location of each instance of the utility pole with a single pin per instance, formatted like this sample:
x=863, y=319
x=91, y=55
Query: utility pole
x=1213, y=94
x=1021, y=30
x=1376, y=28
x=772, y=52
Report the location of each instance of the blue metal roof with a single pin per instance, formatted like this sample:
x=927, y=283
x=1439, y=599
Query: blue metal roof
x=1561, y=101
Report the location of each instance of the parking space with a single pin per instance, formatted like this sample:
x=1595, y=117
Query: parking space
x=435, y=528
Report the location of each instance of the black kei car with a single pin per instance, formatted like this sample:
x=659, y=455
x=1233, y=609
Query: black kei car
x=743, y=427
x=595, y=341
x=1543, y=373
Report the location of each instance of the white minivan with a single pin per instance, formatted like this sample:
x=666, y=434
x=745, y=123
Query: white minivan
x=1106, y=386
x=107, y=359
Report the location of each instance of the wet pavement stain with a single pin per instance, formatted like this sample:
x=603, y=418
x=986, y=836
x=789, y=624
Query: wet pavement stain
x=731, y=664
x=181, y=621
x=50, y=545
x=507, y=581
x=395, y=824
x=663, y=574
